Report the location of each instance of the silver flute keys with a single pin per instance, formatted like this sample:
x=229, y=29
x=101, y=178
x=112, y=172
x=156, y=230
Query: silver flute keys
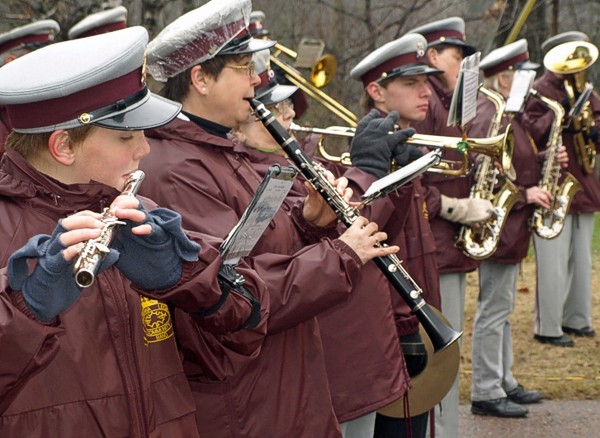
x=95, y=250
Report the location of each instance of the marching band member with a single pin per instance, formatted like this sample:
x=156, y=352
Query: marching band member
x=564, y=264
x=100, y=22
x=18, y=42
x=205, y=59
x=395, y=81
x=495, y=391
x=365, y=367
x=102, y=361
x=447, y=196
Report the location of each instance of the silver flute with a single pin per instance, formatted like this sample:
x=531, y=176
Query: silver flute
x=95, y=250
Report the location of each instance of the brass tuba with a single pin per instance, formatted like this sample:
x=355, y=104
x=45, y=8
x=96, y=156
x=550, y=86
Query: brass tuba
x=571, y=59
x=482, y=242
x=498, y=147
x=548, y=223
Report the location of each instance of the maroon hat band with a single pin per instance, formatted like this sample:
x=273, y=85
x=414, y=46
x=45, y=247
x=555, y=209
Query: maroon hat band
x=63, y=109
x=29, y=39
x=110, y=27
x=390, y=65
x=266, y=77
x=198, y=47
x=443, y=35
x=505, y=65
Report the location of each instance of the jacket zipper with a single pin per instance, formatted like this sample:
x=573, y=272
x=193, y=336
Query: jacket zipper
x=128, y=363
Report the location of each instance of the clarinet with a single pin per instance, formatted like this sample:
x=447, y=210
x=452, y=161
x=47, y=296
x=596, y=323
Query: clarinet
x=440, y=333
x=95, y=250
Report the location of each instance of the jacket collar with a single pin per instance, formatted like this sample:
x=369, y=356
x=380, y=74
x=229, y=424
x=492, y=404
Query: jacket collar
x=24, y=184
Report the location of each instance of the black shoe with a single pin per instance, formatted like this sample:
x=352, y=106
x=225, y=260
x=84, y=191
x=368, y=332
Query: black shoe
x=558, y=341
x=585, y=331
x=524, y=397
x=501, y=407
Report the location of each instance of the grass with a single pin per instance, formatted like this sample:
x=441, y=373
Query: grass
x=560, y=373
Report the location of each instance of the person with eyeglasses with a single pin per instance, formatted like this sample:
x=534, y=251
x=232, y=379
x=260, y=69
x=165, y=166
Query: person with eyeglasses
x=378, y=374
x=204, y=59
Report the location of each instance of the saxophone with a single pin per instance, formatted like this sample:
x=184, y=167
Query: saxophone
x=94, y=250
x=584, y=147
x=548, y=223
x=482, y=242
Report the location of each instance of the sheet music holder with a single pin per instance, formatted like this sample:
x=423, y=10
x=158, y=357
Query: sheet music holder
x=519, y=90
x=463, y=105
x=383, y=186
x=581, y=100
x=262, y=209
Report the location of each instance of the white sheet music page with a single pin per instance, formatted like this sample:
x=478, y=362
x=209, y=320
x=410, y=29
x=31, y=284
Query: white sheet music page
x=463, y=106
x=522, y=83
x=392, y=181
x=260, y=212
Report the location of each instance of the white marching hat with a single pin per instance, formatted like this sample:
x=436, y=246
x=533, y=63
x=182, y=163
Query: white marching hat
x=100, y=80
x=402, y=57
x=220, y=27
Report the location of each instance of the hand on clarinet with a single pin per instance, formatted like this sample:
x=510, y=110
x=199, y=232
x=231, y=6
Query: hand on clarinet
x=316, y=210
x=364, y=238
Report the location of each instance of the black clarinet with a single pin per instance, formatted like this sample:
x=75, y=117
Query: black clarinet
x=439, y=332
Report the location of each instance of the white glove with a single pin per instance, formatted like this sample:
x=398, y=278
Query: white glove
x=466, y=211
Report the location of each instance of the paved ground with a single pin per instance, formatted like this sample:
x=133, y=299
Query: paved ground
x=549, y=419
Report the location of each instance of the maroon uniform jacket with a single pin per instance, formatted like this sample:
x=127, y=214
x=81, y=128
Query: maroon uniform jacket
x=365, y=366
x=515, y=237
x=100, y=369
x=450, y=259
x=4, y=129
x=284, y=391
x=538, y=121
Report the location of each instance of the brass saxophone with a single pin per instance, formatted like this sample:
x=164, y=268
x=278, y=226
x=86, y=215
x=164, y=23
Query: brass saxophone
x=482, y=242
x=548, y=223
x=582, y=123
x=94, y=250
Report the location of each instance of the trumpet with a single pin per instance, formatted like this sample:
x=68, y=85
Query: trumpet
x=499, y=147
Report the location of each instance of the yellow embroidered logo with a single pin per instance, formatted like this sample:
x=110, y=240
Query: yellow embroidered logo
x=425, y=211
x=156, y=318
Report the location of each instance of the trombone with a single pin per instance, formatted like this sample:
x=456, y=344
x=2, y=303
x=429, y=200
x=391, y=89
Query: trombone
x=499, y=147
x=321, y=74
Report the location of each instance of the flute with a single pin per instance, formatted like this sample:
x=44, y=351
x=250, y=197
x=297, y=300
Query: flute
x=95, y=250
x=440, y=333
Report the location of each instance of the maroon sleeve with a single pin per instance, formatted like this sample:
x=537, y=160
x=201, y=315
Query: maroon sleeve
x=26, y=345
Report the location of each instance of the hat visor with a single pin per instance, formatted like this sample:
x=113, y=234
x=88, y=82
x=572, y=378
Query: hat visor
x=277, y=94
x=254, y=45
x=467, y=49
x=153, y=111
x=527, y=65
x=413, y=70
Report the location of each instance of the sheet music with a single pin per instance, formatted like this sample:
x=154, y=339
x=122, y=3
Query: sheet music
x=463, y=105
x=519, y=90
x=391, y=182
x=262, y=208
x=580, y=103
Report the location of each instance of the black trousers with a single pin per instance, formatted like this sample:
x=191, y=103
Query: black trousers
x=388, y=427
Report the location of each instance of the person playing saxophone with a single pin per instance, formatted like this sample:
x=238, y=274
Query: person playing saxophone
x=563, y=304
x=495, y=391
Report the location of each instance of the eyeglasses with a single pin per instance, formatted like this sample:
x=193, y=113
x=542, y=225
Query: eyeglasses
x=282, y=107
x=249, y=68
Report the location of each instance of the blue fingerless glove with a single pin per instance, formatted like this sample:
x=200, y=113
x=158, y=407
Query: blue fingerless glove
x=154, y=261
x=51, y=288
